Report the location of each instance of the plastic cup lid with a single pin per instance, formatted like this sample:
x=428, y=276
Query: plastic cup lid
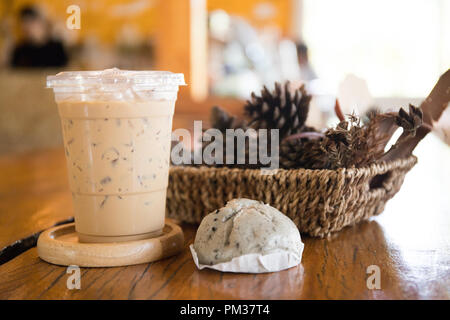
x=116, y=78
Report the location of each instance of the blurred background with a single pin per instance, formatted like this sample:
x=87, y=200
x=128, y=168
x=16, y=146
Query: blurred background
x=382, y=54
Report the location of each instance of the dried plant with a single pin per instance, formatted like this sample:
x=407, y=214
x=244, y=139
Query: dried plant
x=350, y=143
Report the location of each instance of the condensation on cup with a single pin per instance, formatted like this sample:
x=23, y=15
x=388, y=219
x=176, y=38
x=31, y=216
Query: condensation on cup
x=117, y=128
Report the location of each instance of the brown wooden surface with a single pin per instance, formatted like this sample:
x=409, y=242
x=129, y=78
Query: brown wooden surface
x=410, y=243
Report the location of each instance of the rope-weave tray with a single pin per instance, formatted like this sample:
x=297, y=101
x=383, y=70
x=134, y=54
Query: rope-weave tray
x=318, y=201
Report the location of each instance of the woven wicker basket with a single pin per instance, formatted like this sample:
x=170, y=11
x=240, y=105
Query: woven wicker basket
x=318, y=201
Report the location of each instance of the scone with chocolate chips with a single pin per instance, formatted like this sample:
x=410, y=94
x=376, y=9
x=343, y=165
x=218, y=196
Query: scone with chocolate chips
x=242, y=227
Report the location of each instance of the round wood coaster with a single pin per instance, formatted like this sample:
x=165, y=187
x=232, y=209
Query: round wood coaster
x=60, y=245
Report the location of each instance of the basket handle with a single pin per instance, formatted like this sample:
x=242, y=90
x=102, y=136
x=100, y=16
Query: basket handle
x=380, y=180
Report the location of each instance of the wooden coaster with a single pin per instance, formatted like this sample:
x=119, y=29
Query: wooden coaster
x=60, y=245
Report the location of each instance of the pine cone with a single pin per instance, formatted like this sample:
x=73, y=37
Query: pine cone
x=222, y=120
x=244, y=155
x=279, y=110
x=301, y=153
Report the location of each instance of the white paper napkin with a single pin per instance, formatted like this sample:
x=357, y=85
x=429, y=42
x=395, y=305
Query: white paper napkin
x=254, y=262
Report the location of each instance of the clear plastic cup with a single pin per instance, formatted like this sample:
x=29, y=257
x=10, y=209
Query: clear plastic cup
x=117, y=128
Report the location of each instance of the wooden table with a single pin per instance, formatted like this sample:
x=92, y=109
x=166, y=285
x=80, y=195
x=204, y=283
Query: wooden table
x=409, y=242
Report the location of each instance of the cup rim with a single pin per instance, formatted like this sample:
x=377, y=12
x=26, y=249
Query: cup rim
x=145, y=79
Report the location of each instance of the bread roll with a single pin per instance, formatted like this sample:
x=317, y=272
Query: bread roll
x=242, y=227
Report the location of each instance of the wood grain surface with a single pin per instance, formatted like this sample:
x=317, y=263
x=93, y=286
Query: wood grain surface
x=409, y=242
x=34, y=193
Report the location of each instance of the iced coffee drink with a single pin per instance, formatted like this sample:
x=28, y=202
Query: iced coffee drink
x=117, y=130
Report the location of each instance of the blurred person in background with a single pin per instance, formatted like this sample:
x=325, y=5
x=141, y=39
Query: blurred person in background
x=306, y=71
x=38, y=48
